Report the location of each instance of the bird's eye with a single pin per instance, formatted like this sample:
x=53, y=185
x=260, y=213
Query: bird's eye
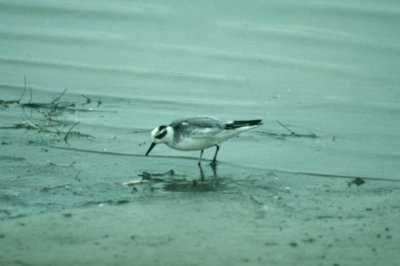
x=161, y=134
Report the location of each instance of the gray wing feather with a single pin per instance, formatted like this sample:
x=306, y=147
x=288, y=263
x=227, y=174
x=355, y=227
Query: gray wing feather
x=198, y=127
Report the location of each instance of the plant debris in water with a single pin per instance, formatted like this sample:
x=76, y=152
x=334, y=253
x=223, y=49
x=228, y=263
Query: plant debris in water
x=170, y=181
x=49, y=122
x=358, y=181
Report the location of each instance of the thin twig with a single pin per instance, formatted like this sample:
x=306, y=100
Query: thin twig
x=55, y=101
x=285, y=127
x=61, y=164
x=292, y=133
x=30, y=91
x=33, y=125
x=23, y=93
x=55, y=187
x=69, y=131
x=88, y=100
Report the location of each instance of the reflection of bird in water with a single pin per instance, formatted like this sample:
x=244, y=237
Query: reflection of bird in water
x=199, y=133
x=172, y=181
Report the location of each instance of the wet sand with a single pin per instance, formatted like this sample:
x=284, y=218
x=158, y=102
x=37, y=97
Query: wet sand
x=317, y=184
x=215, y=228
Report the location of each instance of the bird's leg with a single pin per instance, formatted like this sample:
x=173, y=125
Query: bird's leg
x=214, y=169
x=214, y=160
x=201, y=172
x=201, y=156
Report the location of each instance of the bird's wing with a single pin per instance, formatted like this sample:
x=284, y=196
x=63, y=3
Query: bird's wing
x=198, y=127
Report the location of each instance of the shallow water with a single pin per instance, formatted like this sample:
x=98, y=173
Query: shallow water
x=319, y=67
x=330, y=68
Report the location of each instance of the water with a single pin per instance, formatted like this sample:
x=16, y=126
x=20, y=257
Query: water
x=328, y=67
x=319, y=67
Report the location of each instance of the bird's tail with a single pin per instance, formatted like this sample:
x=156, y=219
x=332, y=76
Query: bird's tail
x=243, y=123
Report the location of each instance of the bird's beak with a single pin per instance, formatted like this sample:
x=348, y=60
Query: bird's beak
x=150, y=148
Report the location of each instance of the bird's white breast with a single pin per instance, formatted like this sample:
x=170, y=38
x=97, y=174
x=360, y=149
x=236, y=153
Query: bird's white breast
x=191, y=144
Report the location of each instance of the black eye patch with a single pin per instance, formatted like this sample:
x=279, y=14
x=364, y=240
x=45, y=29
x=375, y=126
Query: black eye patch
x=161, y=134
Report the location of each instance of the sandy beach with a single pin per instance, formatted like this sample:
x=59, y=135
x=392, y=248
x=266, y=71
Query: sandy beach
x=83, y=85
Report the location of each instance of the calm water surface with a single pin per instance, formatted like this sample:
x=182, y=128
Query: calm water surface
x=327, y=67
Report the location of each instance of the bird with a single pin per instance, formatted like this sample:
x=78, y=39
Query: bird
x=199, y=133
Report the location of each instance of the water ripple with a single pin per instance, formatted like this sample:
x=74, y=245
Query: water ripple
x=143, y=73
x=87, y=9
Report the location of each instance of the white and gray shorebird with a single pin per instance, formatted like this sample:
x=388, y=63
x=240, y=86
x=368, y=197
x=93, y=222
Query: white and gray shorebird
x=199, y=133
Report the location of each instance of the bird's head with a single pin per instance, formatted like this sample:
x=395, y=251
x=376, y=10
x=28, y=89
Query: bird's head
x=161, y=134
